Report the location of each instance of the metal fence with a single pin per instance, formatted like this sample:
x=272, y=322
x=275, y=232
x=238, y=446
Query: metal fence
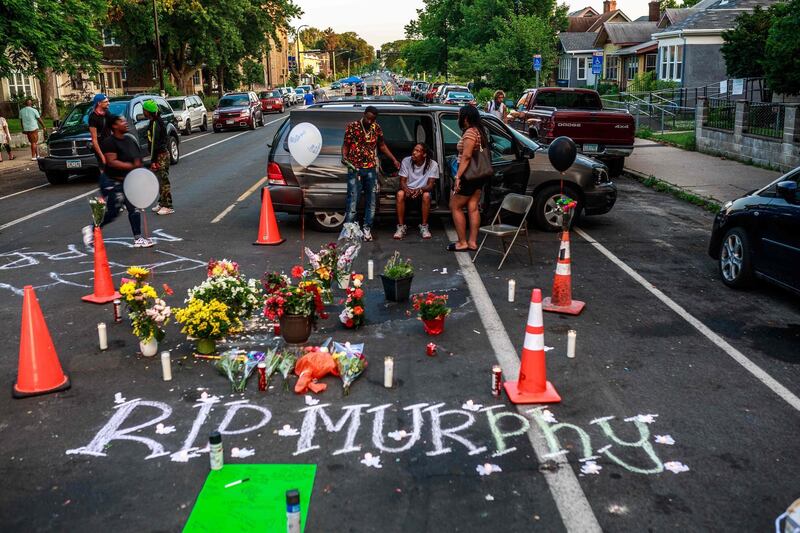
x=766, y=120
x=720, y=114
x=654, y=113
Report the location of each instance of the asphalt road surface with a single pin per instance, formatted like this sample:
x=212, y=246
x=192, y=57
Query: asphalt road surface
x=679, y=413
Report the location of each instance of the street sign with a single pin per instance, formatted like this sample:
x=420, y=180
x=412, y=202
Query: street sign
x=597, y=63
x=537, y=62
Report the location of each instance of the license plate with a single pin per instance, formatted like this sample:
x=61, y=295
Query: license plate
x=229, y=122
x=74, y=163
x=590, y=148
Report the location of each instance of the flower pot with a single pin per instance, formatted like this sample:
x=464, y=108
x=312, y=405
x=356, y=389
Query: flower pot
x=344, y=280
x=295, y=329
x=149, y=348
x=206, y=346
x=397, y=290
x=434, y=326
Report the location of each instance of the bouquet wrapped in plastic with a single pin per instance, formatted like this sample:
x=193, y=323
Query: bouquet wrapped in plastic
x=350, y=362
x=238, y=365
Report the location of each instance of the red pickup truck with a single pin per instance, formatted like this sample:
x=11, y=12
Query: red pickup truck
x=549, y=112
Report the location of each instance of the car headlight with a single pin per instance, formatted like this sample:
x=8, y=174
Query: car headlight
x=216, y=114
x=600, y=175
x=246, y=113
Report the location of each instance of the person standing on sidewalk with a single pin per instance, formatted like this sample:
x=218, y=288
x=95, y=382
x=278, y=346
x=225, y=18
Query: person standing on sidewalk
x=496, y=106
x=361, y=138
x=158, y=140
x=31, y=122
x=5, y=139
x=122, y=154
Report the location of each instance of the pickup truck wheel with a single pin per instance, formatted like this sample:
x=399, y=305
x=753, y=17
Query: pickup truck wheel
x=547, y=217
x=174, y=151
x=615, y=167
x=56, y=178
x=327, y=221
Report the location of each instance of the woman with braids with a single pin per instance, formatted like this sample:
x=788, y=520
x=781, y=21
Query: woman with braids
x=467, y=193
x=418, y=174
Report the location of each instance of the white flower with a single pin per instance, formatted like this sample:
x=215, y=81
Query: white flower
x=469, y=405
x=487, y=469
x=676, y=467
x=665, y=439
x=288, y=431
x=161, y=429
x=118, y=398
x=398, y=435
x=591, y=467
x=242, y=452
x=357, y=283
x=310, y=400
x=547, y=416
x=373, y=461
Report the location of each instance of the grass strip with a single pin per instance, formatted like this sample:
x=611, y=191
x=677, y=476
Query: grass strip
x=676, y=192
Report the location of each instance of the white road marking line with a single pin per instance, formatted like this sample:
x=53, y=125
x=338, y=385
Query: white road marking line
x=193, y=137
x=788, y=396
x=573, y=506
x=26, y=190
x=244, y=196
x=94, y=190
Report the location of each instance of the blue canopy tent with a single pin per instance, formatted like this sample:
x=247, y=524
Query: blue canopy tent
x=351, y=79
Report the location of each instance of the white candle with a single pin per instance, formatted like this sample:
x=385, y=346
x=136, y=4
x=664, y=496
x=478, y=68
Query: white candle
x=102, y=335
x=444, y=270
x=571, y=336
x=370, y=269
x=512, y=288
x=388, y=371
x=166, y=366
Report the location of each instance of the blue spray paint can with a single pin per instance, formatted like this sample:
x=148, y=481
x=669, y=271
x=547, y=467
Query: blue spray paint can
x=293, y=511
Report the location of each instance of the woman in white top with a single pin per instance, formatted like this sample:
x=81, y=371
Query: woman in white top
x=496, y=107
x=5, y=139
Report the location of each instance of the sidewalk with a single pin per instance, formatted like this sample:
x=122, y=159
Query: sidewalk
x=704, y=175
x=22, y=161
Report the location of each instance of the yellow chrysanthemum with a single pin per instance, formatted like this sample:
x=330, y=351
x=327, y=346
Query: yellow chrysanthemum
x=138, y=272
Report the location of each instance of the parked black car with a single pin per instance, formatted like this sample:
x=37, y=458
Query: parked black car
x=520, y=164
x=70, y=146
x=758, y=235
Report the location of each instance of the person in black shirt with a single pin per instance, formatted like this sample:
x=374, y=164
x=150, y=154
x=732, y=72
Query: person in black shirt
x=122, y=154
x=159, y=156
x=99, y=129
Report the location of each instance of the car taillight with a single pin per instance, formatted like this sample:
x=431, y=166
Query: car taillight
x=274, y=175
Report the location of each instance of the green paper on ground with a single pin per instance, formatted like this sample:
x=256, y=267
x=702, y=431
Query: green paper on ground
x=256, y=505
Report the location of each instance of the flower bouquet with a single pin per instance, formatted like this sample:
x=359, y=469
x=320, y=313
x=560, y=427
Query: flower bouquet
x=238, y=365
x=345, y=262
x=226, y=284
x=350, y=362
x=432, y=310
x=565, y=206
x=352, y=316
x=222, y=267
x=325, y=268
x=98, y=206
x=274, y=281
x=147, y=311
x=207, y=321
x=297, y=308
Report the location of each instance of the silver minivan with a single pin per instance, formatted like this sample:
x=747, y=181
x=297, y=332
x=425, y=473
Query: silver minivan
x=190, y=112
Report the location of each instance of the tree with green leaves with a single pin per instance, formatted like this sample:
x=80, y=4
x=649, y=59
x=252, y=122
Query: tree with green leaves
x=392, y=52
x=50, y=36
x=665, y=4
x=745, y=44
x=252, y=72
x=782, y=52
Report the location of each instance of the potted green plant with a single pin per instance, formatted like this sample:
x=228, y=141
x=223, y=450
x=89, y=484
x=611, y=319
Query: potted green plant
x=396, y=278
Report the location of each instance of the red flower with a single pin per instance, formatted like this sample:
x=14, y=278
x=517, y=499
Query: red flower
x=297, y=271
x=358, y=293
x=168, y=290
x=349, y=323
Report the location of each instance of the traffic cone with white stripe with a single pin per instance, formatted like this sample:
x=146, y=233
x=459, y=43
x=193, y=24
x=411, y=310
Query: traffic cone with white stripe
x=532, y=385
x=561, y=301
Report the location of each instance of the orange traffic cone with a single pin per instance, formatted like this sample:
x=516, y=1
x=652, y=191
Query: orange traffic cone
x=532, y=386
x=268, y=232
x=562, y=301
x=103, y=284
x=39, y=369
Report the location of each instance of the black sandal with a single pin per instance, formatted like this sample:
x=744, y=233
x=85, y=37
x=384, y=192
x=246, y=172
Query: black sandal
x=452, y=248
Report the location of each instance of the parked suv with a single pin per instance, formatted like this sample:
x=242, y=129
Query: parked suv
x=69, y=147
x=238, y=110
x=521, y=165
x=190, y=112
x=272, y=101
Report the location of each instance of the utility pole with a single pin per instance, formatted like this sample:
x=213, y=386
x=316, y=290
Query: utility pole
x=158, y=50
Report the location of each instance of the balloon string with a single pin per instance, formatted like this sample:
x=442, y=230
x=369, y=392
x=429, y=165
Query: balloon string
x=144, y=224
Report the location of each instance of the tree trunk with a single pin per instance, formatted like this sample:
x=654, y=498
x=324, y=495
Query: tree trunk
x=220, y=80
x=48, y=103
x=207, y=82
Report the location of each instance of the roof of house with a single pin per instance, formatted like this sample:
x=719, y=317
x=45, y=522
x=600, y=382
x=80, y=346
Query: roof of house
x=626, y=33
x=587, y=11
x=607, y=17
x=643, y=18
x=641, y=48
x=580, y=24
x=577, y=41
x=709, y=15
x=672, y=16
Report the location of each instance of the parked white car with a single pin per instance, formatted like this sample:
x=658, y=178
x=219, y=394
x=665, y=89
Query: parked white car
x=294, y=98
x=190, y=112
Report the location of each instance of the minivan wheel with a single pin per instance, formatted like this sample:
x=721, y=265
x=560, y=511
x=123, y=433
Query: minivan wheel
x=545, y=207
x=735, y=264
x=327, y=221
x=174, y=152
x=204, y=125
x=56, y=178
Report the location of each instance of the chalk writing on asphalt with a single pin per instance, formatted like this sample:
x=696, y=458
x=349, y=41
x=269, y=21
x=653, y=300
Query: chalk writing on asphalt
x=74, y=267
x=434, y=430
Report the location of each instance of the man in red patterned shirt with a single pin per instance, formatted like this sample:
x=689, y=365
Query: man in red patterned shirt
x=361, y=138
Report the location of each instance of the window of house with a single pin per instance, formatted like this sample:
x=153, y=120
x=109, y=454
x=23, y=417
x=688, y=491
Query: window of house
x=632, y=68
x=19, y=84
x=678, y=63
x=672, y=62
x=650, y=62
x=582, y=66
x=612, y=67
x=108, y=38
x=124, y=74
x=563, y=68
x=196, y=78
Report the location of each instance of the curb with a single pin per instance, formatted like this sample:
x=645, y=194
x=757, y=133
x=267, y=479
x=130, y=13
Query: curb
x=708, y=203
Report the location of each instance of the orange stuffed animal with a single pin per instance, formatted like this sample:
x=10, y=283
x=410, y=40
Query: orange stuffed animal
x=314, y=365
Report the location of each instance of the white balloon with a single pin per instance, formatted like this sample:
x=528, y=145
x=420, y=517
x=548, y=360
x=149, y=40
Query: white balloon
x=305, y=143
x=141, y=187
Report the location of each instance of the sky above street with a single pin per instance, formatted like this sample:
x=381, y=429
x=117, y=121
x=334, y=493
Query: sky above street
x=379, y=21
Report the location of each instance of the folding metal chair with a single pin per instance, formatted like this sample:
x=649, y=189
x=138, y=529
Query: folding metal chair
x=517, y=204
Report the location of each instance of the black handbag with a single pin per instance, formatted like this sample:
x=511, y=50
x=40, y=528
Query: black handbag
x=480, y=165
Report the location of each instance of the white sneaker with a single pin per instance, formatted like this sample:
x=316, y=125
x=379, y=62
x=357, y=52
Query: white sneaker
x=141, y=242
x=165, y=211
x=367, y=234
x=402, y=229
x=156, y=208
x=87, y=232
x=424, y=231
